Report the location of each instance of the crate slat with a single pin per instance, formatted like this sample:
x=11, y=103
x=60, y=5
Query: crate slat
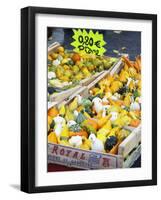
x=131, y=142
x=83, y=159
x=53, y=47
x=51, y=104
x=62, y=95
x=132, y=157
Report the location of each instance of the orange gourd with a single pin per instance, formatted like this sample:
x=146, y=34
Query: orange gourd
x=76, y=57
x=80, y=133
x=53, y=112
x=135, y=122
x=114, y=150
x=93, y=123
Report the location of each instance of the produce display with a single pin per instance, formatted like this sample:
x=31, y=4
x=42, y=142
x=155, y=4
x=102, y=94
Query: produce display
x=99, y=121
x=66, y=69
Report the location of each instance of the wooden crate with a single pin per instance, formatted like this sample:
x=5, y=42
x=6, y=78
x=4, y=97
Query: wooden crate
x=88, y=159
x=85, y=82
x=83, y=159
x=128, y=151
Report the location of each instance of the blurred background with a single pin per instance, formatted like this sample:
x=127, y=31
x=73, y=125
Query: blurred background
x=116, y=41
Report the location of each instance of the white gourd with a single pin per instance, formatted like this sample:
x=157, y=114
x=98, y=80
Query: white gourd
x=56, y=62
x=97, y=145
x=71, y=123
x=134, y=106
x=97, y=104
x=114, y=116
x=75, y=141
x=51, y=75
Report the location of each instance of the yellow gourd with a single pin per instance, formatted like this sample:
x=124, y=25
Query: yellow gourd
x=54, y=55
x=123, y=76
x=122, y=121
x=73, y=105
x=80, y=108
x=62, y=110
x=63, y=142
x=87, y=115
x=65, y=131
x=105, y=129
x=50, y=119
x=86, y=145
x=102, y=137
x=132, y=85
x=114, y=131
x=115, y=86
x=86, y=72
x=132, y=71
x=103, y=120
x=52, y=138
x=127, y=100
x=69, y=115
x=60, y=49
x=50, y=58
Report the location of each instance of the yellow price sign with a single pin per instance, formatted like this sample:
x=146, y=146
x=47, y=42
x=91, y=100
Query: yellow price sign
x=88, y=42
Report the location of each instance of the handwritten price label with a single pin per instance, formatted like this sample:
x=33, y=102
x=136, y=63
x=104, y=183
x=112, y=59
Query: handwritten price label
x=88, y=42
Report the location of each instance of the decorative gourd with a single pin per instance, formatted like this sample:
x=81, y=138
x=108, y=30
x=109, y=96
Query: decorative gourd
x=96, y=144
x=71, y=123
x=110, y=142
x=69, y=115
x=75, y=128
x=87, y=127
x=114, y=131
x=135, y=122
x=134, y=106
x=65, y=131
x=80, y=133
x=103, y=120
x=53, y=112
x=122, y=134
x=75, y=141
x=114, y=149
x=115, y=86
x=105, y=129
x=49, y=119
x=86, y=102
x=73, y=105
x=76, y=57
x=52, y=138
x=93, y=123
x=62, y=110
x=80, y=118
x=98, y=106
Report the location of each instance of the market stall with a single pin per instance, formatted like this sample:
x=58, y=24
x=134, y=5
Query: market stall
x=94, y=111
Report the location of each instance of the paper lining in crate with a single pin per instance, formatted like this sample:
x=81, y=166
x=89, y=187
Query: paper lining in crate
x=59, y=81
x=128, y=149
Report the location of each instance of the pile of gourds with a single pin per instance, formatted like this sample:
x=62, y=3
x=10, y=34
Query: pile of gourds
x=98, y=122
x=66, y=69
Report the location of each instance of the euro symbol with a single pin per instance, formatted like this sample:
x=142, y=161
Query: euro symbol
x=98, y=43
